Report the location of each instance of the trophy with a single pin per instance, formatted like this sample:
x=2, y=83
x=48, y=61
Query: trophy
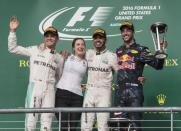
x=158, y=32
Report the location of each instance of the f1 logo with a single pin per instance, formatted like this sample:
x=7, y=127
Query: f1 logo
x=98, y=18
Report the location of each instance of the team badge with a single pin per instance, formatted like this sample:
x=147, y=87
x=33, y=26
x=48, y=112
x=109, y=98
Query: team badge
x=134, y=51
x=105, y=61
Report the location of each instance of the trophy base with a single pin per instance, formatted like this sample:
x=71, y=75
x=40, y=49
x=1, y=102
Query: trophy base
x=160, y=55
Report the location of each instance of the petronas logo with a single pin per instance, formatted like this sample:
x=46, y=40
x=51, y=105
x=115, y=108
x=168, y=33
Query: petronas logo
x=161, y=98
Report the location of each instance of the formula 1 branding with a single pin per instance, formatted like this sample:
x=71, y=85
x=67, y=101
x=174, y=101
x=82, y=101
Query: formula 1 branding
x=73, y=22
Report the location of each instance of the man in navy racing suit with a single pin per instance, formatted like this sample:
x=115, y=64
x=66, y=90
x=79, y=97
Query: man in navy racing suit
x=132, y=58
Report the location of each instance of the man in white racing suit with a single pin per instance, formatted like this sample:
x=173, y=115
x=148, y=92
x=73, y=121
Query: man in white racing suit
x=101, y=64
x=45, y=69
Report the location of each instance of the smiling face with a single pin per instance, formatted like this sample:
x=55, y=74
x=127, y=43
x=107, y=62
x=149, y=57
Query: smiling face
x=99, y=42
x=127, y=35
x=50, y=40
x=79, y=46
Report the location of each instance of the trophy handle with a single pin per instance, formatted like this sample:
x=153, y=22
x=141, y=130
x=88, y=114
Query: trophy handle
x=155, y=46
x=158, y=32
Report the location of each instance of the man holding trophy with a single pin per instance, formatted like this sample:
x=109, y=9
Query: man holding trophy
x=132, y=58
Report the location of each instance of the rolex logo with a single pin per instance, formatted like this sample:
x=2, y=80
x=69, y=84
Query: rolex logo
x=161, y=99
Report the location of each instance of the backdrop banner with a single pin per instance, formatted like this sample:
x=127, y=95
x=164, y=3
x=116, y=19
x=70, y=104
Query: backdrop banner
x=79, y=18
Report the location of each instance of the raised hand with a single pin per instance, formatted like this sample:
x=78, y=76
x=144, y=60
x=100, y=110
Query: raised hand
x=14, y=23
x=142, y=79
x=64, y=53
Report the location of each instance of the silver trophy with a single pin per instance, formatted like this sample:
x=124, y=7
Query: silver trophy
x=158, y=32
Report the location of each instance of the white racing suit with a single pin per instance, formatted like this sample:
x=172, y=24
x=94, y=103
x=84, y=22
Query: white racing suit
x=45, y=69
x=99, y=83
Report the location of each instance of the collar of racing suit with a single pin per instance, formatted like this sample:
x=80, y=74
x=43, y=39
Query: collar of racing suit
x=42, y=47
x=132, y=45
x=98, y=53
x=52, y=51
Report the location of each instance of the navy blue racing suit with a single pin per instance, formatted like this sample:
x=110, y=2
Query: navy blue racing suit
x=131, y=63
